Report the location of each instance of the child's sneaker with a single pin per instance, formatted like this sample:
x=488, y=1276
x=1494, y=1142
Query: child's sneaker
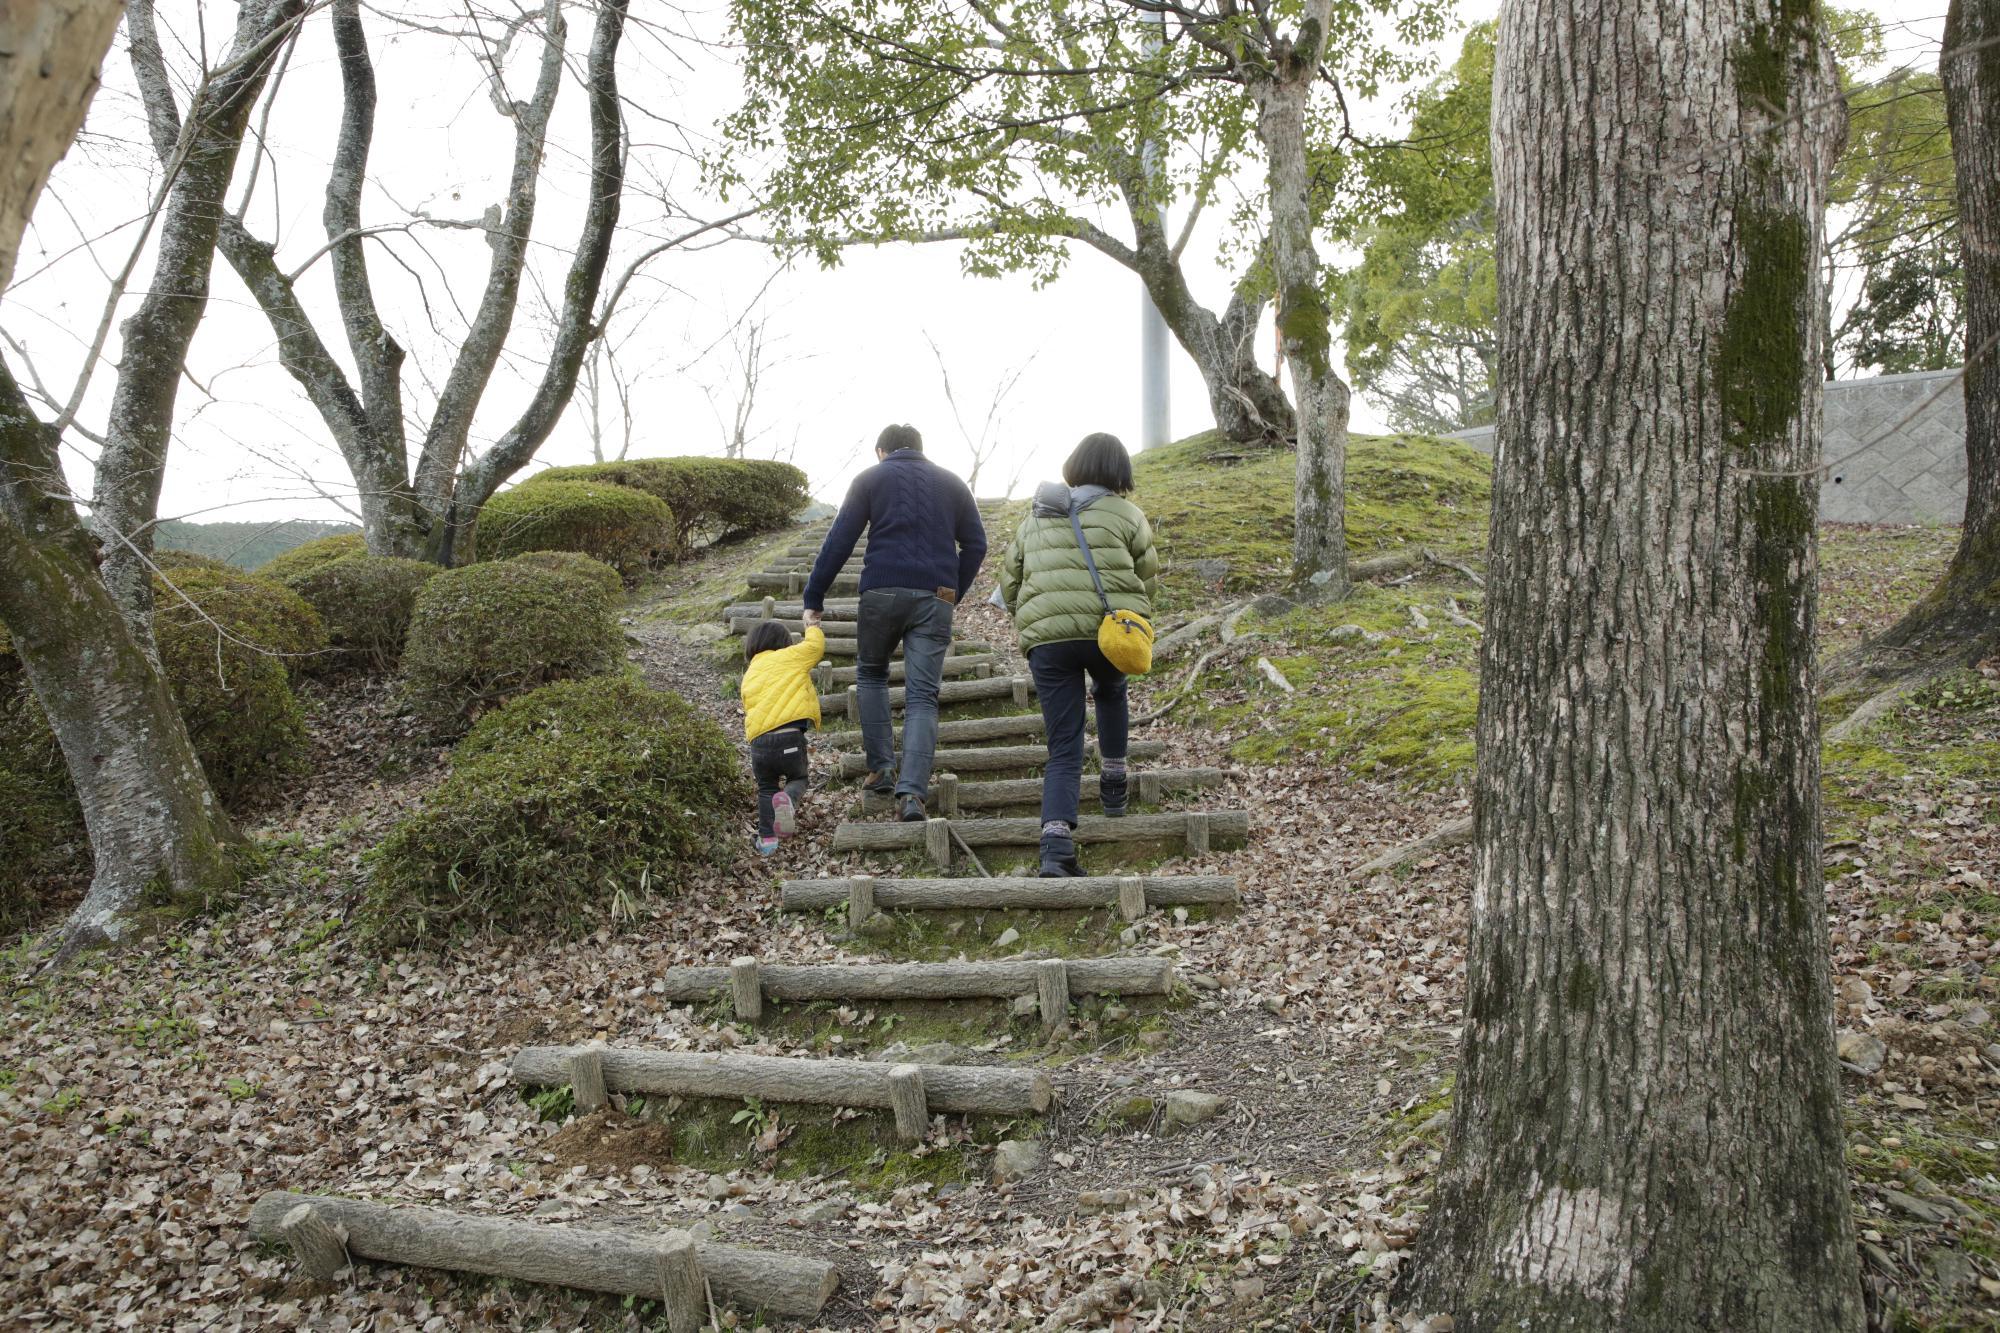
x=766, y=846
x=784, y=815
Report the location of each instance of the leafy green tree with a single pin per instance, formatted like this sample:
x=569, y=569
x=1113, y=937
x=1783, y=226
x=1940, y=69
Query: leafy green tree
x=1895, y=242
x=1419, y=307
x=1019, y=128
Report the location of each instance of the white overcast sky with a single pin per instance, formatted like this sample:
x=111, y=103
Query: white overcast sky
x=847, y=348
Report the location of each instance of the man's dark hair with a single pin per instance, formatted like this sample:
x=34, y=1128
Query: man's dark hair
x=765, y=636
x=1100, y=460
x=893, y=438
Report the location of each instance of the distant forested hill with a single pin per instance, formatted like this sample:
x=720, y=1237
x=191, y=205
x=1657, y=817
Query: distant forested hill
x=247, y=545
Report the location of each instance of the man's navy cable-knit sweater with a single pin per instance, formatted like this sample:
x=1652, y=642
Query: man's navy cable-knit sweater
x=923, y=530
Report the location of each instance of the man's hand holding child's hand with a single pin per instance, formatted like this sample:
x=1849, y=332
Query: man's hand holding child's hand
x=811, y=618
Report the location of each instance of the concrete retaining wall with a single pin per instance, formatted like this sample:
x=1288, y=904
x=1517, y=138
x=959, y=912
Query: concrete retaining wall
x=1914, y=469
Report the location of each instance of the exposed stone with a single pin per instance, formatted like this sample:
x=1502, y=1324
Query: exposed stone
x=1116, y=1013
x=1134, y=1110
x=1863, y=1052
x=1915, y=1207
x=1155, y=1039
x=715, y=1187
x=1188, y=1107
x=1014, y=1159
x=1008, y=937
x=1104, y=1201
x=1024, y=1006
x=827, y=1209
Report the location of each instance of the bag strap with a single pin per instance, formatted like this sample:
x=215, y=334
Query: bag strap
x=1076, y=522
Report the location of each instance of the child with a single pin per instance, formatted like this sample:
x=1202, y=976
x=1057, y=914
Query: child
x=780, y=705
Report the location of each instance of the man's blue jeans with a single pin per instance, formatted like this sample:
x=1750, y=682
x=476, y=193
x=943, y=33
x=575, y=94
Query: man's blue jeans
x=920, y=620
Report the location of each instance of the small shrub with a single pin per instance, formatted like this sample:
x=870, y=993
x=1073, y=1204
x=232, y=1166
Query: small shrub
x=365, y=602
x=226, y=665
x=308, y=556
x=41, y=824
x=578, y=566
x=625, y=528
x=557, y=804
x=711, y=498
x=170, y=561
x=485, y=633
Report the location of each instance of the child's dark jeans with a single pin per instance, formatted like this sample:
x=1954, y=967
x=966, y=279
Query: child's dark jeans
x=778, y=761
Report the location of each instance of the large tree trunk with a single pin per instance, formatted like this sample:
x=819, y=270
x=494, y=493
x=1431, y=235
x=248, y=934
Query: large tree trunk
x=49, y=54
x=155, y=828
x=1958, y=621
x=1319, y=538
x=1647, y=1128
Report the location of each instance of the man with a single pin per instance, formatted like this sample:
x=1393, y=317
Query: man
x=925, y=542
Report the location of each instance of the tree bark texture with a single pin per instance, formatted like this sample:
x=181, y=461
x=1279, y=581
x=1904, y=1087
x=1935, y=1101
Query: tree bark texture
x=153, y=822
x=1281, y=91
x=1958, y=622
x=154, y=339
x=49, y=56
x=1647, y=1129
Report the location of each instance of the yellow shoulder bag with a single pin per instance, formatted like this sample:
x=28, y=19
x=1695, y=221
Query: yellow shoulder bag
x=1124, y=637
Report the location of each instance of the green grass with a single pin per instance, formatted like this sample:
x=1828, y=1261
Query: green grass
x=1210, y=499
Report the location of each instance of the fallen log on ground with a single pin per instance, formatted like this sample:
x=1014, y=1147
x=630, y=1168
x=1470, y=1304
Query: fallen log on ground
x=1445, y=835
x=627, y=1263
x=962, y=1089
x=1026, y=893
x=992, y=759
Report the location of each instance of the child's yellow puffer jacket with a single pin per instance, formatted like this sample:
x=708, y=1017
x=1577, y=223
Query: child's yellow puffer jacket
x=778, y=687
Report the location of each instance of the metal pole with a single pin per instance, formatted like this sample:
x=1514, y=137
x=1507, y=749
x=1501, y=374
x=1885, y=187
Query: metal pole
x=1155, y=428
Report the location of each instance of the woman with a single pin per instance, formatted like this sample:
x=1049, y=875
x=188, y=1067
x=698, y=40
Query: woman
x=1046, y=583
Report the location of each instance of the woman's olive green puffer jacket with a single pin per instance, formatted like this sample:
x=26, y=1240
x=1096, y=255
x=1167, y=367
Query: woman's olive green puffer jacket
x=1046, y=582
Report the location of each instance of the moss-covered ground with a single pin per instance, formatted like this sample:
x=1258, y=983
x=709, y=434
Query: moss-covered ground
x=1215, y=503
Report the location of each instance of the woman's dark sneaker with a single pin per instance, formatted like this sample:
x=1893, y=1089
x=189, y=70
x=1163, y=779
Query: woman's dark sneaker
x=1059, y=857
x=1112, y=787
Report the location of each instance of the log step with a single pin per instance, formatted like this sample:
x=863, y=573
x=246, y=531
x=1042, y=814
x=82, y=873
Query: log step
x=1199, y=827
x=625, y=1261
x=993, y=759
x=848, y=647
x=795, y=582
x=1025, y=894
x=949, y=797
x=834, y=608
x=957, y=664
x=959, y=729
x=1018, y=688
x=748, y=982
x=865, y=1084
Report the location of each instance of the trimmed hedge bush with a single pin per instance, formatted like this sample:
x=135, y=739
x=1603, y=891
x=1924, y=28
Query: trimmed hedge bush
x=308, y=556
x=365, y=601
x=484, y=633
x=711, y=498
x=559, y=803
x=575, y=565
x=232, y=692
x=627, y=529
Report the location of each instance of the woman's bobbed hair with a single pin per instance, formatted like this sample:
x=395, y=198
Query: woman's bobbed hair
x=1100, y=460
